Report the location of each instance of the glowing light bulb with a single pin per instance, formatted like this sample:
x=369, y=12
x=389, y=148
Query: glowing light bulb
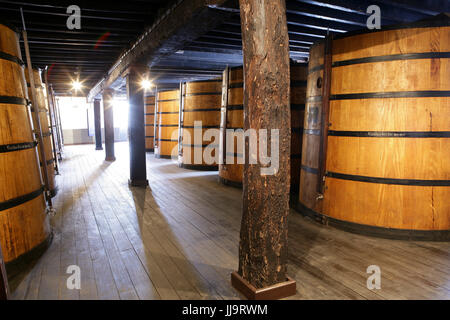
x=76, y=85
x=146, y=84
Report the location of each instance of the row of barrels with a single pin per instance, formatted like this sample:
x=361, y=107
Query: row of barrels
x=44, y=114
x=171, y=118
x=24, y=225
x=370, y=130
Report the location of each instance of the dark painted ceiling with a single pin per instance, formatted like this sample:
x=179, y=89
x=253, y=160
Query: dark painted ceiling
x=80, y=53
x=308, y=22
x=106, y=29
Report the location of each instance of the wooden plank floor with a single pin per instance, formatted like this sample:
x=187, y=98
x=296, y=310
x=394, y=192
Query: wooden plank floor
x=179, y=240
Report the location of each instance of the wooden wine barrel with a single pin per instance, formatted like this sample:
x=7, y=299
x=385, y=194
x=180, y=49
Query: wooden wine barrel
x=201, y=102
x=24, y=226
x=387, y=144
x=149, y=123
x=168, y=110
x=231, y=174
x=45, y=127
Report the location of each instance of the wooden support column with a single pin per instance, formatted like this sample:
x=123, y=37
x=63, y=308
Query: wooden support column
x=136, y=125
x=108, y=118
x=263, y=249
x=98, y=125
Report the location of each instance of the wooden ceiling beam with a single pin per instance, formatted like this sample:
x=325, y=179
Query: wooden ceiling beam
x=181, y=24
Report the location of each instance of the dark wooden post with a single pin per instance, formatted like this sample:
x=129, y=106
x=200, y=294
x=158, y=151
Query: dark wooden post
x=263, y=249
x=136, y=125
x=98, y=125
x=108, y=118
x=4, y=289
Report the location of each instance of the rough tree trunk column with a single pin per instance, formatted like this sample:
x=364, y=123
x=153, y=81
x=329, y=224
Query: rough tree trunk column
x=263, y=250
x=98, y=125
x=108, y=118
x=136, y=126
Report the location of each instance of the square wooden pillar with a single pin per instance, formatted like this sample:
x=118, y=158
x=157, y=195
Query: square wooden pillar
x=136, y=125
x=108, y=118
x=97, y=125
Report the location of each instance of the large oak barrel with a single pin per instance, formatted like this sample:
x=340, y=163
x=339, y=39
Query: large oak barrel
x=201, y=103
x=24, y=226
x=149, y=123
x=43, y=108
x=168, y=110
x=232, y=174
x=387, y=151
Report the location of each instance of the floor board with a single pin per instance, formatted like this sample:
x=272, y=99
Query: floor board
x=179, y=240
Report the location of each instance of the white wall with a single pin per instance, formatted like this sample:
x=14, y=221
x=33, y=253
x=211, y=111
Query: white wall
x=74, y=120
x=80, y=136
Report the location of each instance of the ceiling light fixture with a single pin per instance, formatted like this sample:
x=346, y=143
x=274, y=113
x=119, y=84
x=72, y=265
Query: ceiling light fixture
x=146, y=84
x=76, y=85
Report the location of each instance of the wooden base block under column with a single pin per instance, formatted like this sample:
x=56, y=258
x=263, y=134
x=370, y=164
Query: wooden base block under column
x=138, y=183
x=275, y=292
